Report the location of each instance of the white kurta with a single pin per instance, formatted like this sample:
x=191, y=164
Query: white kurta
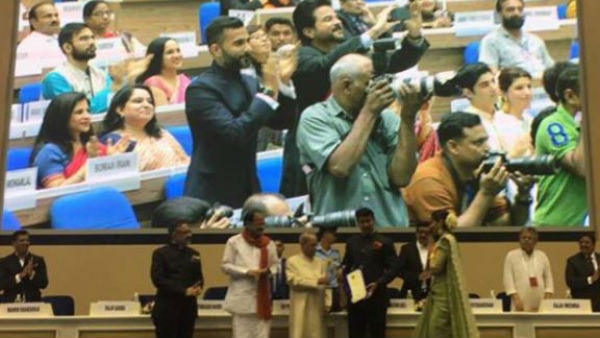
x=41, y=48
x=240, y=301
x=307, y=298
x=519, y=268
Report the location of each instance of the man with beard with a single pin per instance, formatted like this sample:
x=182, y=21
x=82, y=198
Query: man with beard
x=41, y=44
x=249, y=260
x=357, y=153
x=412, y=263
x=582, y=273
x=510, y=46
x=76, y=75
x=225, y=109
x=451, y=181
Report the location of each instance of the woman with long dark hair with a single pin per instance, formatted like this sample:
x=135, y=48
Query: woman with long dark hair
x=447, y=311
x=66, y=140
x=161, y=74
x=131, y=114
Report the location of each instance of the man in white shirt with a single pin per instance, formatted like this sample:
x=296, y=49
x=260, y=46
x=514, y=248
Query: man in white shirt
x=250, y=259
x=510, y=46
x=41, y=45
x=527, y=274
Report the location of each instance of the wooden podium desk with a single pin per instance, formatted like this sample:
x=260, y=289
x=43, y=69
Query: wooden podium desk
x=219, y=326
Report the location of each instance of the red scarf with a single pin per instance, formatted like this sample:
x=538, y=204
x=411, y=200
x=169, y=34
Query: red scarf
x=263, y=299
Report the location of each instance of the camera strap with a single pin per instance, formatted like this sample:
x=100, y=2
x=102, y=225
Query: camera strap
x=465, y=191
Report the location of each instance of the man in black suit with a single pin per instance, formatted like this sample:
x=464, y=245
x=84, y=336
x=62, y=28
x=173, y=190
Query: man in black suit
x=280, y=288
x=225, y=109
x=176, y=269
x=324, y=42
x=375, y=256
x=582, y=273
x=22, y=274
x=412, y=264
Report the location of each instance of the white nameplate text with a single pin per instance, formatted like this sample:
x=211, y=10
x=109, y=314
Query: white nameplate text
x=398, y=305
x=69, y=12
x=211, y=307
x=473, y=23
x=486, y=305
x=186, y=41
x=19, y=189
x=120, y=171
x=109, y=51
x=26, y=310
x=115, y=308
x=541, y=18
x=566, y=306
x=34, y=111
x=245, y=16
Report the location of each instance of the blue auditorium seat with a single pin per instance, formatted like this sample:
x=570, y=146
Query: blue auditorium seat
x=61, y=305
x=174, y=186
x=10, y=222
x=471, y=54
x=30, y=92
x=269, y=173
x=207, y=12
x=183, y=136
x=98, y=208
x=17, y=158
x=574, y=50
x=562, y=11
x=215, y=293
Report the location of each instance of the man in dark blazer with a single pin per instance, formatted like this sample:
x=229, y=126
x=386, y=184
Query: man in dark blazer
x=324, y=42
x=412, y=264
x=375, y=256
x=583, y=274
x=225, y=109
x=22, y=274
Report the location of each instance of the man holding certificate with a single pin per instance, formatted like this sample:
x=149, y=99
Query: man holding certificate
x=371, y=256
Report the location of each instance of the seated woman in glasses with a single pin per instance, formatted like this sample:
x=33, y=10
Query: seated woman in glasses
x=98, y=16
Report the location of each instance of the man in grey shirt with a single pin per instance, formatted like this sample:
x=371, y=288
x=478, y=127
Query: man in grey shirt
x=510, y=46
x=354, y=151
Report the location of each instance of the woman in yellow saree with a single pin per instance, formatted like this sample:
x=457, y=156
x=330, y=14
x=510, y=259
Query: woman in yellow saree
x=447, y=312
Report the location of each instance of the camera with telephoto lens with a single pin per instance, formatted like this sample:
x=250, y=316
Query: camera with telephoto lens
x=220, y=210
x=345, y=218
x=530, y=165
x=441, y=84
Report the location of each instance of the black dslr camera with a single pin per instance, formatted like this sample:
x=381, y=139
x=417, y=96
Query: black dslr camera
x=530, y=165
x=441, y=84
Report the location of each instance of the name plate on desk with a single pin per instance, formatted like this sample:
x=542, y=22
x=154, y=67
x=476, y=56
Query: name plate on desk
x=245, y=16
x=16, y=113
x=26, y=310
x=109, y=51
x=486, y=305
x=186, y=41
x=541, y=18
x=19, y=189
x=120, y=171
x=401, y=306
x=211, y=307
x=566, y=306
x=69, y=12
x=115, y=308
x=34, y=111
x=281, y=306
x=473, y=23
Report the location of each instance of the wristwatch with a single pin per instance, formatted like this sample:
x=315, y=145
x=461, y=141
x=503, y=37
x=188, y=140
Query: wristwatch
x=268, y=91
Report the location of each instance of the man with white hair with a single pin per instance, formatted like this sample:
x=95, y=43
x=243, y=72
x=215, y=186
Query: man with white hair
x=354, y=151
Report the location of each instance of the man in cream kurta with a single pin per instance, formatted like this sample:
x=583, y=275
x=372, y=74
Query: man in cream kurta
x=527, y=274
x=307, y=279
x=241, y=261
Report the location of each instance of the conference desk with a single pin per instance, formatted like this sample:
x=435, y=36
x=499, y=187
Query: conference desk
x=504, y=325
